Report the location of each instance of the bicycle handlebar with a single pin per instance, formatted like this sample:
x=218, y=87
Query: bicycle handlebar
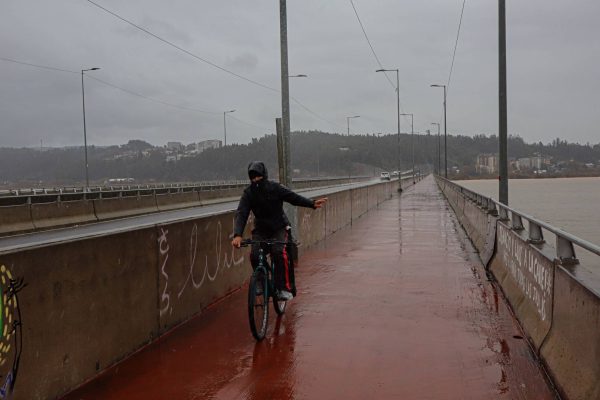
x=268, y=242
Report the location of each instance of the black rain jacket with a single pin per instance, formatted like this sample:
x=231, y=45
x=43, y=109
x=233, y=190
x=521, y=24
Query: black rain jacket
x=265, y=199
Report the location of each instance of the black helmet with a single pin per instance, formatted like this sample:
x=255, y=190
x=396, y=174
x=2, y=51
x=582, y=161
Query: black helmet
x=257, y=168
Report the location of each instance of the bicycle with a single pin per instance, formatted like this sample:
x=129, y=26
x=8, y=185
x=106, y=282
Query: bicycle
x=260, y=289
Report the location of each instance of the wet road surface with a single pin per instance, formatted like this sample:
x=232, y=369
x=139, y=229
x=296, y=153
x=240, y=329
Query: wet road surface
x=395, y=307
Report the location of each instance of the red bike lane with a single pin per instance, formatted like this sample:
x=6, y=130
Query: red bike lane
x=395, y=307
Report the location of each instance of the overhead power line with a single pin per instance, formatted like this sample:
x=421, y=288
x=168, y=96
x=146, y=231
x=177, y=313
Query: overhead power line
x=37, y=65
x=204, y=60
x=456, y=44
x=150, y=98
x=370, y=45
x=212, y=64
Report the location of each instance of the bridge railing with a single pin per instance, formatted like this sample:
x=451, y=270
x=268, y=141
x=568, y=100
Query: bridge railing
x=47, y=195
x=554, y=292
x=29, y=210
x=565, y=241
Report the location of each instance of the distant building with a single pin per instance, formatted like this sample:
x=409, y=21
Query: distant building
x=486, y=164
x=173, y=157
x=176, y=146
x=524, y=163
x=208, y=144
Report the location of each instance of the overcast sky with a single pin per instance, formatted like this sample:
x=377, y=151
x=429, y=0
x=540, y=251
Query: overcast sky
x=553, y=68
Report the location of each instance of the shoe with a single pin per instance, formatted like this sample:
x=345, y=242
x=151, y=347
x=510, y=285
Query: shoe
x=285, y=295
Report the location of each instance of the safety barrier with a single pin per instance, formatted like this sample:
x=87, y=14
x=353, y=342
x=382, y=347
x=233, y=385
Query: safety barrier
x=68, y=206
x=62, y=213
x=94, y=298
x=557, y=308
x=119, y=207
x=15, y=218
x=172, y=201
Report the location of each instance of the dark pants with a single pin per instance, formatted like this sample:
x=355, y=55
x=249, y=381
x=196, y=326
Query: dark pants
x=284, y=273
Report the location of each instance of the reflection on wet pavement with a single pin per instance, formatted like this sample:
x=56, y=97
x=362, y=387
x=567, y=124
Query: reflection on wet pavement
x=395, y=307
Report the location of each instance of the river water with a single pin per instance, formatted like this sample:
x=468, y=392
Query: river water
x=572, y=204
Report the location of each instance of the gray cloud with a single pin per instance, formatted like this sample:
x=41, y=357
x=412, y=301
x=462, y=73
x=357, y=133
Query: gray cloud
x=553, y=53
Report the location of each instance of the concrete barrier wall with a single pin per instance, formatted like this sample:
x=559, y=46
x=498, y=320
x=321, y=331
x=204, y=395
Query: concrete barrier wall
x=558, y=312
x=572, y=349
x=172, y=201
x=479, y=224
x=360, y=201
x=89, y=303
x=120, y=207
x=338, y=212
x=219, y=195
x=526, y=275
x=62, y=213
x=15, y=219
x=198, y=265
x=311, y=226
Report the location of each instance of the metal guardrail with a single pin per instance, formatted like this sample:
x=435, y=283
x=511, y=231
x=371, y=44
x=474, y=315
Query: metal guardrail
x=565, y=241
x=47, y=195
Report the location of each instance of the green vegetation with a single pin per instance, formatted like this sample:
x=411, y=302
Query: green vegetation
x=313, y=153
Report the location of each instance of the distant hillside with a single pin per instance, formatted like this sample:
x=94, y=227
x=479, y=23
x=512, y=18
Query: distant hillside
x=313, y=153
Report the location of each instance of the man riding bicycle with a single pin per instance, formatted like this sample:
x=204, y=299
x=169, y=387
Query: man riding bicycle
x=265, y=199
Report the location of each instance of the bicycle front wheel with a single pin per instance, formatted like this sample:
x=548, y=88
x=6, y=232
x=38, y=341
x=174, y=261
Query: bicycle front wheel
x=258, y=304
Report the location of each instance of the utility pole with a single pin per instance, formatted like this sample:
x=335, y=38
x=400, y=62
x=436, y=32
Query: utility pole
x=289, y=210
x=285, y=91
x=503, y=153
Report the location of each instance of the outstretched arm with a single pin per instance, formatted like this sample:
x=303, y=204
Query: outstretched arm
x=320, y=202
x=295, y=199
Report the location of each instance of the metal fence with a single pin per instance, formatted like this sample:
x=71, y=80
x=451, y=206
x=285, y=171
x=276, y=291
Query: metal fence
x=565, y=242
x=47, y=195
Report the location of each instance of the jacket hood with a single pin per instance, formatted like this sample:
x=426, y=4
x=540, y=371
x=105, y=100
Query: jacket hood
x=259, y=168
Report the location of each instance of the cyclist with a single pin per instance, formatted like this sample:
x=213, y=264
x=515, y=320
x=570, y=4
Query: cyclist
x=265, y=199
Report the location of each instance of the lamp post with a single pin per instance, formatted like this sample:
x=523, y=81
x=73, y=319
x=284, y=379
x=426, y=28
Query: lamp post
x=225, y=124
x=348, y=122
x=445, y=134
x=412, y=143
x=502, y=103
x=398, y=113
x=438, y=146
x=87, y=176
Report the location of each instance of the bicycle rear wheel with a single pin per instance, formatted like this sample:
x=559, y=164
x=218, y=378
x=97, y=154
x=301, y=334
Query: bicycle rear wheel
x=258, y=304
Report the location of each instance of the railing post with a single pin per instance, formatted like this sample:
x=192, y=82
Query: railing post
x=535, y=233
x=503, y=214
x=565, y=253
x=517, y=222
x=492, y=208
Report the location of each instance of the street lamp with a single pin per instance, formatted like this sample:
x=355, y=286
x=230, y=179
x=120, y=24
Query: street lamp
x=225, y=124
x=412, y=143
x=438, y=147
x=348, y=122
x=398, y=104
x=445, y=134
x=87, y=176
x=298, y=76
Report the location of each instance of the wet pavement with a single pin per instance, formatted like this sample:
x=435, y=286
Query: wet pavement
x=395, y=307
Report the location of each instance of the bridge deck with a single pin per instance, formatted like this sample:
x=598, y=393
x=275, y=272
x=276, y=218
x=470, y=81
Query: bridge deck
x=397, y=307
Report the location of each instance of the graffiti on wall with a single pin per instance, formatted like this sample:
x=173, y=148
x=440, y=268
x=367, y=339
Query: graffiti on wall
x=532, y=272
x=201, y=268
x=11, y=339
